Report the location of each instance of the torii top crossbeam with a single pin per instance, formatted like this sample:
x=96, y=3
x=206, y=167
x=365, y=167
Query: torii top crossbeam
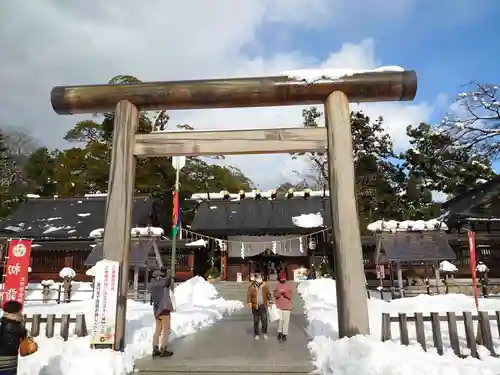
x=234, y=92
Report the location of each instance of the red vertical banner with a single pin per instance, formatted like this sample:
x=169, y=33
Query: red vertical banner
x=16, y=271
x=472, y=251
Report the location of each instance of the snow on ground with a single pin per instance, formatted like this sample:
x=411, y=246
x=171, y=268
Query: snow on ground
x=367, y=355
x=198, y=305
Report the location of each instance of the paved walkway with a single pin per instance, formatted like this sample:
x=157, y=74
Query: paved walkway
x=229, y=347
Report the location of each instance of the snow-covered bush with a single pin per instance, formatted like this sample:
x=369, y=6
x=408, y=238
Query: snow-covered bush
x=67, y=273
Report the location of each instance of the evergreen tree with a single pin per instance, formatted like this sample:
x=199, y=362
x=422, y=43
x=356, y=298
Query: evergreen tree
x=85, y=169
x=9, y=183
x=435, y=163
x=378, y=180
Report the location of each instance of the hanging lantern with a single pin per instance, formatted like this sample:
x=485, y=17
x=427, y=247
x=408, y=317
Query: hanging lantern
x=225, y=195
x=273, y=194
x=312, y=244
x=222, y=245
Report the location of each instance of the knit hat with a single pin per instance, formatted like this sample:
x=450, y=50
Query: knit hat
x=158, y=273
x=12, y=307
x=282, y=275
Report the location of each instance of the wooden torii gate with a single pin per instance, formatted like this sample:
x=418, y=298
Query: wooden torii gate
x=126, y=100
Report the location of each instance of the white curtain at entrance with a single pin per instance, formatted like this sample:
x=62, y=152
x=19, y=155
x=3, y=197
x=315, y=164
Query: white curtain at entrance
x=254, y=245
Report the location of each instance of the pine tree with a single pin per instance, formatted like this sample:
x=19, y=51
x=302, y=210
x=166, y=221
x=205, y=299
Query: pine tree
x=436, y=162
x=8, y=196
x=5, y=164
x=378, y=180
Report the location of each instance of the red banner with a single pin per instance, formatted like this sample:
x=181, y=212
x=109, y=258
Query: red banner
x=472, y=251
x=16, y=271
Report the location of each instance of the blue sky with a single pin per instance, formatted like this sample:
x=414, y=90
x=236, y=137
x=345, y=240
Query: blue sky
x=448, y=47
x=448, y=44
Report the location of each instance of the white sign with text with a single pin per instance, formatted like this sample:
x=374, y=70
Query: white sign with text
x=105, y=301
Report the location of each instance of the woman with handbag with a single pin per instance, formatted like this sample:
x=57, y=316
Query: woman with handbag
x=14, y=338
x=160, y=288
x=283, y=296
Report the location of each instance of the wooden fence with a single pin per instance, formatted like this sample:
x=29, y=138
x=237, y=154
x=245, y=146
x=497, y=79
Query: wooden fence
x=50, y=321
x=483, y=337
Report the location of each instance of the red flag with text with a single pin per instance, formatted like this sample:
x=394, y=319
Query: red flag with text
x=16, y=271
x=472, y=250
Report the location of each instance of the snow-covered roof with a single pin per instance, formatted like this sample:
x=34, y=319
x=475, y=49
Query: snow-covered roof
x=135, y=232
x=482, y=193
x=406, y=226
x=67, y=217
x=250, y=216
x=263, y=194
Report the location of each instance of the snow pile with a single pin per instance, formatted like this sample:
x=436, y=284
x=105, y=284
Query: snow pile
x=321, y=75
x=74, y=356
x=367, y=355
x=407, y=225
x=91, y=271
x=446, y=266
x=308, y=220
x=67, y=272
x=481, y=267
x=135, y=232
x=147, y=231
x=97, y=233
x=200, y=242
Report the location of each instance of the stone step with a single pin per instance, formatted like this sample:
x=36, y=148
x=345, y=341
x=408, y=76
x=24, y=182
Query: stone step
x=228, y=369
x=218, y=372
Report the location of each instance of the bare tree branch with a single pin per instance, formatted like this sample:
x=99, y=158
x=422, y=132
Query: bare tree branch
x=474, y=120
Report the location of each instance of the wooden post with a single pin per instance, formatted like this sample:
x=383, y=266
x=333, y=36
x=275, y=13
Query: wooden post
x=146, y=283
x=400, y=279
x=350, y=280
x=233, y=92
x=438, y=277
x=118, y=221
x=191, y=259
x=223, y=265
x=136, y=282
x=64, y=329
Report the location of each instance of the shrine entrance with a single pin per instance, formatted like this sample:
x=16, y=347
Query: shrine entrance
x=127, y=100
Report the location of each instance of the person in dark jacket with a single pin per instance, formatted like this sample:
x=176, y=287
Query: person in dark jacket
x=12, y=331
x=160, y=288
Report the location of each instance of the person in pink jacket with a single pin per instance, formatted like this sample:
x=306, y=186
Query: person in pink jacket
x=283, y=296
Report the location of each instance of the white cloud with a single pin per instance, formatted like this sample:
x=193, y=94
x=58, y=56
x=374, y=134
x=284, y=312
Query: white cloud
x=55, y=43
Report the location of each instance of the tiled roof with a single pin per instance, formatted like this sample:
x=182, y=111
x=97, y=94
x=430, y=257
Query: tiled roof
x=465, y=204
x=416, y=247
x=249, y=216
x=67, y=217
x=63, y=245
